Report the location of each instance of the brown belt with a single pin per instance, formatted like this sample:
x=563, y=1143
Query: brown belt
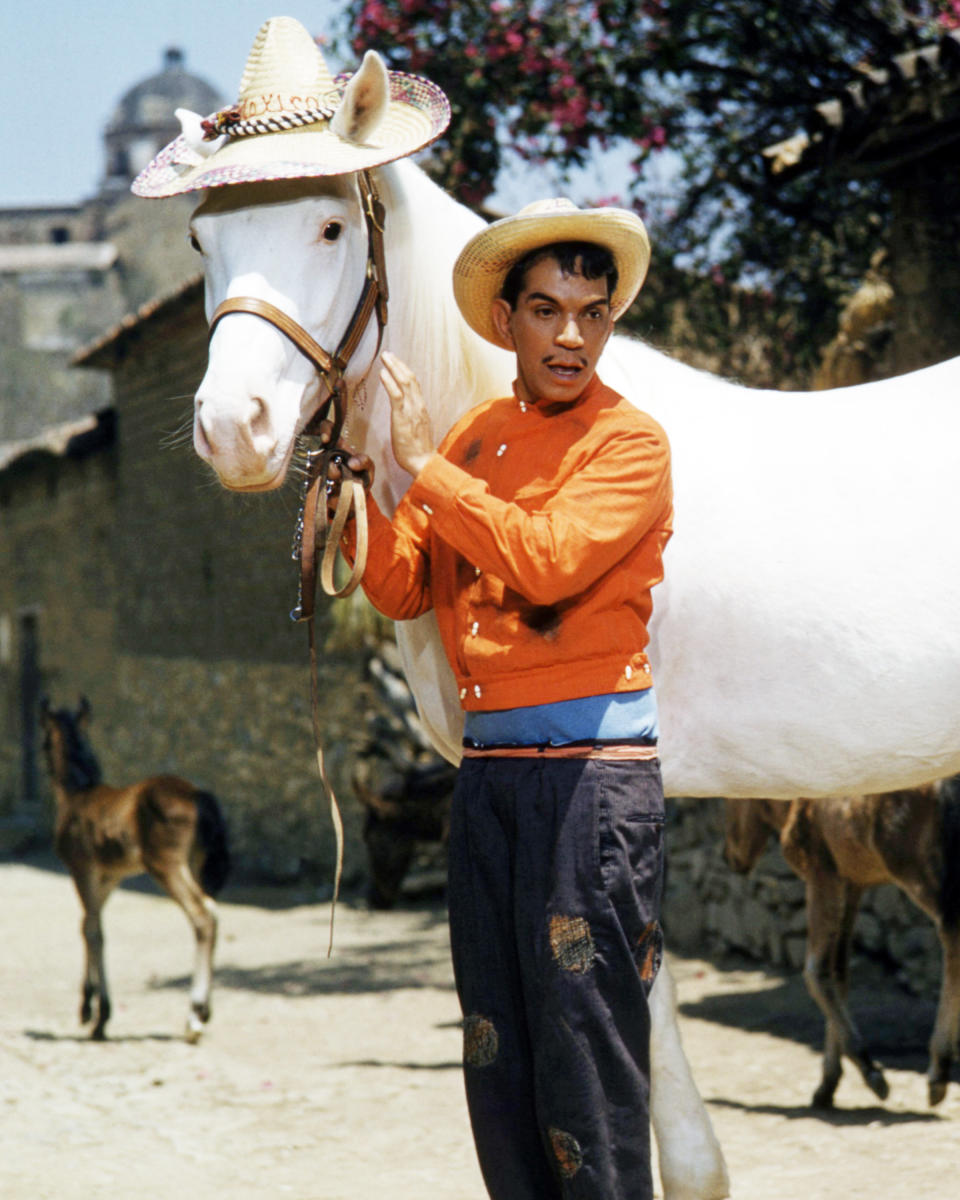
x=614, y=752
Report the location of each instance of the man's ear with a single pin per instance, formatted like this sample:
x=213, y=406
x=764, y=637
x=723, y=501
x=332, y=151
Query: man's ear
x=501, y=314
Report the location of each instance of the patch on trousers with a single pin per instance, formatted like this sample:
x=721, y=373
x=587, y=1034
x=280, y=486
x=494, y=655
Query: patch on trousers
x=567, y=1152
x=648, y=951
x=480, y=1041
x=572, y=943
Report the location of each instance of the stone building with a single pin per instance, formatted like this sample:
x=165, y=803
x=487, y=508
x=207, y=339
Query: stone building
x=67, y=272
x=133, y=579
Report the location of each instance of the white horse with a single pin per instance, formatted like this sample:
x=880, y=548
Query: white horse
x=806, y=641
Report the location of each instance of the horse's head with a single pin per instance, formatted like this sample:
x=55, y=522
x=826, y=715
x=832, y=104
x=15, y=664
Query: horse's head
x=301, y=246
x=70, y=757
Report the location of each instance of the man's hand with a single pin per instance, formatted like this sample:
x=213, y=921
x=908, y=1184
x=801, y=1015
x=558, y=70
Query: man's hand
x=409, y=419
x=358, y=463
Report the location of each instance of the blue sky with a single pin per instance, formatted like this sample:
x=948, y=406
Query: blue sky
x=64, y=65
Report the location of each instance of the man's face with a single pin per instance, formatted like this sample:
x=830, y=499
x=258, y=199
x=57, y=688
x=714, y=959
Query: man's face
x=558, y=330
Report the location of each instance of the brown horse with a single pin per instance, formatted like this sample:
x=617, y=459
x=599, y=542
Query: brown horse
x=164, y=827
x=839, y=847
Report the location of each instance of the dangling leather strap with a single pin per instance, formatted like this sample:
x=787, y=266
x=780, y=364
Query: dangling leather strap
x=352, y=493
x=328, y=533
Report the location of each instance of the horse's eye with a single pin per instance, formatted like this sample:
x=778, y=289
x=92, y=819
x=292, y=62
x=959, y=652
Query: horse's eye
x=331, y=231
x=194, y=242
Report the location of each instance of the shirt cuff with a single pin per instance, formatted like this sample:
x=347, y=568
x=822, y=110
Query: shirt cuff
x=439, y=484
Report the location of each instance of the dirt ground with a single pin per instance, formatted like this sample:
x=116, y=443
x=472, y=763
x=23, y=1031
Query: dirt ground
x=333, y=1079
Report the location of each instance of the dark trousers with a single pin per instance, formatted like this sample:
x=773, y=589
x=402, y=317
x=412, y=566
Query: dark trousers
x=556, y=872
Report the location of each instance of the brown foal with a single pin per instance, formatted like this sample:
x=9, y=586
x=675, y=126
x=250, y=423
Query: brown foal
x=164, y=827
x=839, y=847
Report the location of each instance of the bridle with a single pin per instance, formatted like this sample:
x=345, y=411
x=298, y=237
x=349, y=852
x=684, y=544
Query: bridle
x=332, y=369
x=314, y=526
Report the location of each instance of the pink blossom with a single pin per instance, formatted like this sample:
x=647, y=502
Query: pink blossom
x=374, y=12
x=572, y=112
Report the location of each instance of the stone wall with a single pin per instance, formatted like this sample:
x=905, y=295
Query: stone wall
x=57, y=584
x=24, y=225
x=235, y=720
x=244, y=732
x=165, y=601
x=710, y=909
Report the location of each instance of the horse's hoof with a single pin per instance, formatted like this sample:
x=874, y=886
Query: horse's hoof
x=936, y=1090
x=823, y=1097
x=194, y=1030
x=877, y=1084
x=98, y=1034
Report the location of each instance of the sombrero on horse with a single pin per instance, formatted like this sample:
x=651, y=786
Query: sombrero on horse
x=287, y=122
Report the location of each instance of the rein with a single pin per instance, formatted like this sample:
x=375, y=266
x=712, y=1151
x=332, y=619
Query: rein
x=313, y=530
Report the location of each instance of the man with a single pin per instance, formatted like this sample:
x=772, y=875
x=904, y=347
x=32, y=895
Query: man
x=535, y=532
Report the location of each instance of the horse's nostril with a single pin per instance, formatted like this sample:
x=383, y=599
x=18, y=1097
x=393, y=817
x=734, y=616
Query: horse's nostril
x=260, y=420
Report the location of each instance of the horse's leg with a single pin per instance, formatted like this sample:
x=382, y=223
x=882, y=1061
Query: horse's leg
x=201, y=912
x=93, y=891
x=824, y=918
x=943, y=1043
x=691, y=1161
x=832, y=905
x=927, y=877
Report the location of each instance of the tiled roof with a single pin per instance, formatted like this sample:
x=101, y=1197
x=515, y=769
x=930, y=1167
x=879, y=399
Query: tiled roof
x=48, y=257
x=890, y=116
x=72, y=437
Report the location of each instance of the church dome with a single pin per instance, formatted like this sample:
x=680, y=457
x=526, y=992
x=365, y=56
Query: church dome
x=143, y=121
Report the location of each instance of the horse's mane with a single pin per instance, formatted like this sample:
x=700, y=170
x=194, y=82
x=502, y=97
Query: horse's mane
x=456, y=367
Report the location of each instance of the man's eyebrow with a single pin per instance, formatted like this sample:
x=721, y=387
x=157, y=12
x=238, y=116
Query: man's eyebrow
x=533, y=296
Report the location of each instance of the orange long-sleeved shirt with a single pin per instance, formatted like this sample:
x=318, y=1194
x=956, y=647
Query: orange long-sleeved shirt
x=536, y=536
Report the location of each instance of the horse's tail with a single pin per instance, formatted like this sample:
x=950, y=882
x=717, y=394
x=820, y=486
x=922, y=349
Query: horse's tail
x=950, y=841
x=212, y=836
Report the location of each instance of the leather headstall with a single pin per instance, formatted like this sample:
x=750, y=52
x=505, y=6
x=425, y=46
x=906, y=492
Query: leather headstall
x=331, y=368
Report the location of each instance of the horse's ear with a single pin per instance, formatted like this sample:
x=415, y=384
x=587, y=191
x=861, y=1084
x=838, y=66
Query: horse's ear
x=191, y=126
x=83, y=710
x=44, y=707
x=365, y=101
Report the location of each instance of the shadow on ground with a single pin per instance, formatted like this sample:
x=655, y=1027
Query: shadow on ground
x=871, y=1114
x=378, y=966
x=84, y=1039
